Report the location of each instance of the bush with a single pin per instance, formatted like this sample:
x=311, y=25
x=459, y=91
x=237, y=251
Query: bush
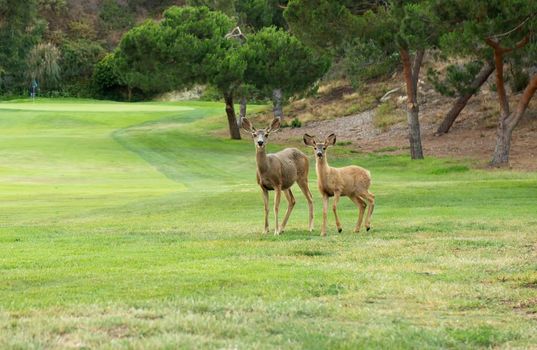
x=456, y=80
x=296, y=123
x=79, y=58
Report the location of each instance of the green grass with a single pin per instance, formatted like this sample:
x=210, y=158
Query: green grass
x=135, y=226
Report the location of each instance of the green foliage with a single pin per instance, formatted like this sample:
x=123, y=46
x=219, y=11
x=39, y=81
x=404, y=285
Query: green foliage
x=187, y=47
x=296, y=123
x=20, y=31
x=457, y=78
x=365, y=61
x=473, y=21
x=251, y=15
x=323, y=24
x=79, y=58
x=277, y=59
x=114, y=16
x=43, y=65
x=106, y=80
x=52, y=5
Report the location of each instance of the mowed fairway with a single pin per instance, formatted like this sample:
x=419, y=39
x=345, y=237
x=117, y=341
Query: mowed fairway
x=135, y=226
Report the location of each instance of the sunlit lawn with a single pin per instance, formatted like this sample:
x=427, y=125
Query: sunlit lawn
x=135, y=226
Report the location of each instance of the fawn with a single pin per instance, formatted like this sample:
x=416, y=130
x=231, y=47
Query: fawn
x=351, y=181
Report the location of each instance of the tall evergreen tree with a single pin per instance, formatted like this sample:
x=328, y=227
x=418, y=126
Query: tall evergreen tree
x=187, y=47
x=406, y=28
x=279, y=64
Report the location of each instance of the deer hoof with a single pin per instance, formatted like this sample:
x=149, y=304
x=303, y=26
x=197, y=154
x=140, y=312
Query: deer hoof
x=368, y=228
x=339, y=230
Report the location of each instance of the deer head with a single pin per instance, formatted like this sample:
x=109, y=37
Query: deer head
x=260, y=136
x=320, y=148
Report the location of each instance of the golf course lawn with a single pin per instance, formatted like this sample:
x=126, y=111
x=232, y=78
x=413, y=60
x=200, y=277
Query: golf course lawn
x=136, y=226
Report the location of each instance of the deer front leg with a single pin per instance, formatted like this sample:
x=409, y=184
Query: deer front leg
x=266, y=204
x=277, y=197
x=325, y=210
x=334, y=208
x=291, y=203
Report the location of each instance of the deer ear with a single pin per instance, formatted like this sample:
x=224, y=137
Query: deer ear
x=246, y=125
x=309, y=140
x=330, y=140
x=274, y=125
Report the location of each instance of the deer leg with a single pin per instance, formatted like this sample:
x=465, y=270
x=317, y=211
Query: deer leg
x=277, y=197
x=334, y=208
x=370, y=197
x=361, y=206
x=305, y=189
x=325, y=210
x=266, y=204
x=291, y=203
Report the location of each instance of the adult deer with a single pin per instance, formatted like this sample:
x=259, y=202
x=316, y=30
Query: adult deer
x=278, y=172
x=351, y=181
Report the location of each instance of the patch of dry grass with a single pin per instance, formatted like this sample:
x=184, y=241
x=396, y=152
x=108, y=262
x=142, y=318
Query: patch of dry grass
x=387, y=115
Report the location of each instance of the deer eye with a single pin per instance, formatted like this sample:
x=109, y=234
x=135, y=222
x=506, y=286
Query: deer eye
x=254, y=134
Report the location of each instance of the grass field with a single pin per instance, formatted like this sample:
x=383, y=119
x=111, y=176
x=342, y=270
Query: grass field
x=134, y=226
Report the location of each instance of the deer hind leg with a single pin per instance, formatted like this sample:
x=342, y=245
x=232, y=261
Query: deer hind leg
x=266, y=205
x=277, y=197
x=305, y=189
x=370, y=198
x=334, y=208
x=325, y=210
x=291, y=203
x=360, y=203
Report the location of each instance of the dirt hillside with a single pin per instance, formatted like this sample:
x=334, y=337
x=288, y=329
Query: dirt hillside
x=374, y=126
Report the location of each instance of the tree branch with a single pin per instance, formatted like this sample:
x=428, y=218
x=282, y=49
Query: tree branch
x=529, y=91
x=499, y=51
x=497, y=36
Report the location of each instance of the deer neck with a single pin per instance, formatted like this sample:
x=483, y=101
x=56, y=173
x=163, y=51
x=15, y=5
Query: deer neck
x=322, y=168
x=261, y=160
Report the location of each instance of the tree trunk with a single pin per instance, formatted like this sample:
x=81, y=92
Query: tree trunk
x=462, y=100
x=242, y=111
x=234, y=131
x=277, y=101
x=507, y=124
x=508, y=121
x=411, y=74
x=500, y=156
x=129, y=93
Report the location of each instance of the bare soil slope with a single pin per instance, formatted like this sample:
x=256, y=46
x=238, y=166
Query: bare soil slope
x=379, y=129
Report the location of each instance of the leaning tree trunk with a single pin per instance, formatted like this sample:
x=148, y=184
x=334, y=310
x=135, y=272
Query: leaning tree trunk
x=411, y=74
x=462, y=100
x=234, y=131
x=277, y=101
